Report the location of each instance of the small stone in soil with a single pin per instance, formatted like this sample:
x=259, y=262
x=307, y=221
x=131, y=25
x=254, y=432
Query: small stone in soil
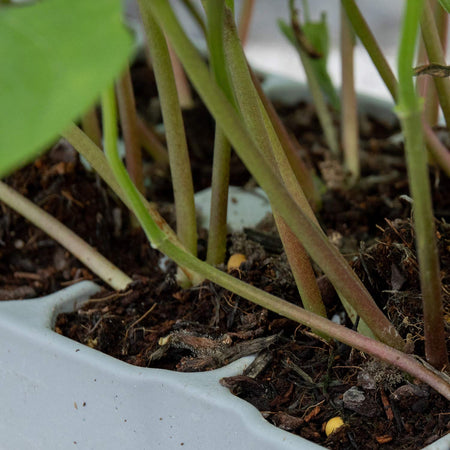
x=410, y=396
x=360, y=402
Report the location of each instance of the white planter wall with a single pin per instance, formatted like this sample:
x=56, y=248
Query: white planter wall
x=59, y=394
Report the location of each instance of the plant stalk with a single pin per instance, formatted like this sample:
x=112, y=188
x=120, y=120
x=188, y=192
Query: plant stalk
x=183, y=89
x=195, y=14
x=97, y=160
x=176, y=139
x=151, y=143
x=263, y=134
x=222, y=150
x=91, y=126
x=409, y=109
x=244, y=20
x=363, y=32
x=92, y=259
x=290, y=146
x=349, y=110
x=128, y=121
x=217, y=233
x=436, y=55
x=262, y=298
x=323, y=114
x=315, y=242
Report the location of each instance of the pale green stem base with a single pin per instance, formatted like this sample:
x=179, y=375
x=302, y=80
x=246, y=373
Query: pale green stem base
x=93, y=260
x=180, y=166
x=409, y=109
x=349, y=112
x=219, y=199
x=91, y=126
x=151, y=143
x=97, y=160
x=128, y=121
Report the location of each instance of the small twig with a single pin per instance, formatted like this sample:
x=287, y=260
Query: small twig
x=96, y=325
x=289, y=364
x=110, y=297
x=259, y=364
x=27, y=276
x=139, y=320
x=75, y=281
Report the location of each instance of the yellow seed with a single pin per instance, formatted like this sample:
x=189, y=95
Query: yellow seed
x=333, y=425
x=235, y=261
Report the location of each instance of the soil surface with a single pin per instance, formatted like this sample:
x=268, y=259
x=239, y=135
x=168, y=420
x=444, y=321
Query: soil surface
x=298, y=381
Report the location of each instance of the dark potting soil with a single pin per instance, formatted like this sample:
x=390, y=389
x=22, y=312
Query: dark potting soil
x=298, y=381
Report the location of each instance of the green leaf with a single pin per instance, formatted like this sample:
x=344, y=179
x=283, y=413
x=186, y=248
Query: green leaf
x=317, y=34
x=287, y=31
x=445, y=4
x=57, y=56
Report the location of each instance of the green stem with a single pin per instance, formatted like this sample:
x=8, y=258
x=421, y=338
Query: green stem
x=110, y=134
x=97, y=160
x=222, y=149
x=196, y=15
x=324, y=326
x=262, y=132
x=91, y=126
x=323, y=114
x=363, y=32
x=425, y=85
x=436, y=55
x=262, y=298
x=183, y=88
x=93, y=260
x=349, y=111
x=438, y=150
x=151, y=143
x=290, y=146
x=302, y=270
x=365, y=35
x=317, y=245
x=176, y=139
x=128, y=121
x=409, y=109
x=217, y=233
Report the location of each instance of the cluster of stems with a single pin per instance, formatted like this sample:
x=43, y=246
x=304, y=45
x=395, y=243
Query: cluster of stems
x=246, y=121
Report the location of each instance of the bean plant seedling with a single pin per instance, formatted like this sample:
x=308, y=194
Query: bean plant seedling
x=71, y=69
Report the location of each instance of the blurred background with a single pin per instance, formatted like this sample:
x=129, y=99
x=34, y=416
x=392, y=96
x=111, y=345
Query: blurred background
x=269, y=50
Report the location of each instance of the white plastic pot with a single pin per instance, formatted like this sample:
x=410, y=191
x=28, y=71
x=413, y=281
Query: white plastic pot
x=59, y=394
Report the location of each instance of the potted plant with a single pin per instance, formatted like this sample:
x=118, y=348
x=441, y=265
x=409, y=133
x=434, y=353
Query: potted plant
x=246, y=121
